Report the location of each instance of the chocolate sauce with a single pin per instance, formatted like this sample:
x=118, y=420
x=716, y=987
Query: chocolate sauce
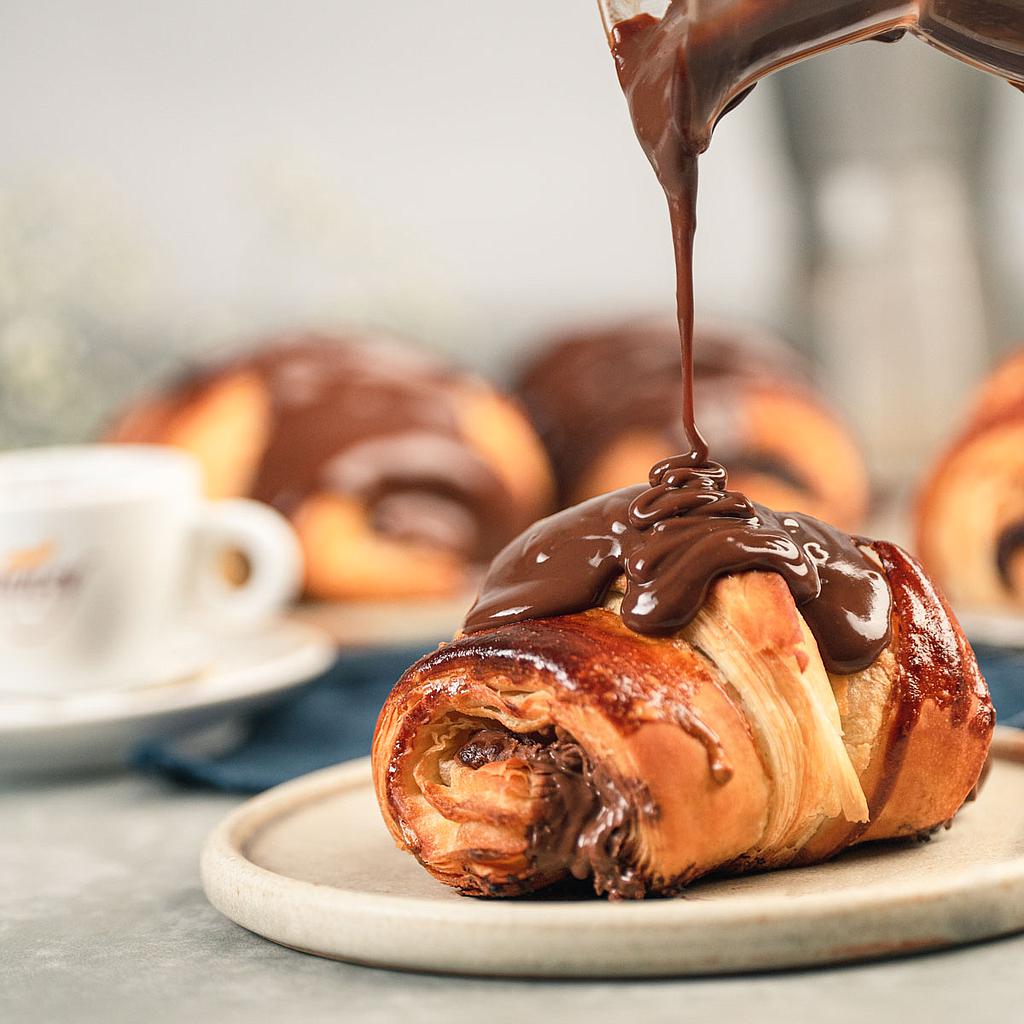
x=1009, y=547
x=668, y=543
x=379, y=422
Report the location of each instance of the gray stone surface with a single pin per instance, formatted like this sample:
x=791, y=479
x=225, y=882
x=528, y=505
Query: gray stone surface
x=102, y=918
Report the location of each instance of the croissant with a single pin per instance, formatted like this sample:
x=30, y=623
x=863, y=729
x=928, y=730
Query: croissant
x=783, y=445
x=553, y=746
x=970, y=511
x=399, y=474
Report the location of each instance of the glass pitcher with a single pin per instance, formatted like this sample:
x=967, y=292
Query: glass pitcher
x=758, y=37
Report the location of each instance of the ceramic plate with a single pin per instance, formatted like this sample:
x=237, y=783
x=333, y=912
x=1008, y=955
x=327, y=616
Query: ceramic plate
x=239, y=673
x=310, y=865
x=998, y=629
x=377, y=624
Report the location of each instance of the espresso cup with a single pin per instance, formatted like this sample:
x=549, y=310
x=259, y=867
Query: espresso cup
x=110, y=554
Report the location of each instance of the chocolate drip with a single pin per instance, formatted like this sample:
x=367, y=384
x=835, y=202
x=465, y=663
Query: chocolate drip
x=668, y=543
x=1009, y=547
x=682, y=73
x=988, y=34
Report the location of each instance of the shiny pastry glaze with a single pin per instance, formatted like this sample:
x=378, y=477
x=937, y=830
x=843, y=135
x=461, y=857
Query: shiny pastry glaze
x=930, y=653
x=934, y=665
x=563, y=647
x=575, y=396
x=665, y=544
x=375, y=420
x=591, y=659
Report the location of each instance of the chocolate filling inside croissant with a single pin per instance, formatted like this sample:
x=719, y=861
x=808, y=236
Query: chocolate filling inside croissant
x=585, y=818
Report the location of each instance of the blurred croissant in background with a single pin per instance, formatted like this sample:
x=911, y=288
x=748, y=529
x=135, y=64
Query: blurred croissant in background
x=399, y=474
x=606, y=401
x=970, y=512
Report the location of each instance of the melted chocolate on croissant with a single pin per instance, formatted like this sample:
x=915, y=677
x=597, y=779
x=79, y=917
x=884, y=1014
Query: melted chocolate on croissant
x=587, y=818
x=668, y=542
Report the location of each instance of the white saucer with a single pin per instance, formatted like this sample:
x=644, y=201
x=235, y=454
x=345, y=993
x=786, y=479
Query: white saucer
x=999, y=629
x=239, y=673
x=310, y=865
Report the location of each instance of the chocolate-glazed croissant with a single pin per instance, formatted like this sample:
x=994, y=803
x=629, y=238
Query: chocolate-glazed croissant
x=526, y=752
x=970, y=512
x=399, y=474
x=783, y=445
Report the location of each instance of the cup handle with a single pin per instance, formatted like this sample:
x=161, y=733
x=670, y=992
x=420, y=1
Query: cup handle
x=274, y=559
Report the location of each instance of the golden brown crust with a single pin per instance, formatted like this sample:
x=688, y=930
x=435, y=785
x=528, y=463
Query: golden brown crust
x=939, y=717
x=974, y=499
x=626, y=702
x=346, y=559
x=736, y=752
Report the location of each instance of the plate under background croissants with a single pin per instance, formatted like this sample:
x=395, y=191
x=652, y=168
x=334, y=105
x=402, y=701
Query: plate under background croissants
x=998, y=629
x=310, y=865
x=386, y=624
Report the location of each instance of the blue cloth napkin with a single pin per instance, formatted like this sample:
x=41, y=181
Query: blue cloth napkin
x=332, y=720
x=329, y=720
x=1003, y=670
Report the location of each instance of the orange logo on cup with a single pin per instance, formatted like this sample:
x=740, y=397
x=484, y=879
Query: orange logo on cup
x=35, y=590
x=30, y=558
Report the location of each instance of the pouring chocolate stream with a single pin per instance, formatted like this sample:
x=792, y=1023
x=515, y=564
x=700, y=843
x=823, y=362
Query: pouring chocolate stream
x=668, y=542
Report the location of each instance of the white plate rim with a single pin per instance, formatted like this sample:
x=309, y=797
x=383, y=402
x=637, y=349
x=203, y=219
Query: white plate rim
x=385, y=625
x=995, y=629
